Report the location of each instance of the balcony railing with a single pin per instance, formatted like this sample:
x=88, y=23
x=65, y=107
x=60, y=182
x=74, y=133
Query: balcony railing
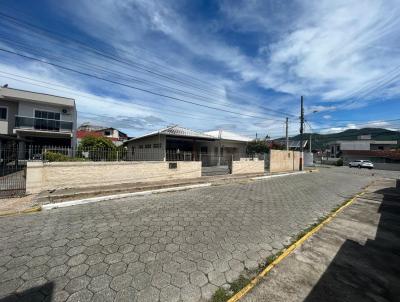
x=34, y=123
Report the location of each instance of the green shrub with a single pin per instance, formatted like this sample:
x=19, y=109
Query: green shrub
x=98, y=148
x=93, y=142
x=339, y=162
x=55, y=156
x=221, y=295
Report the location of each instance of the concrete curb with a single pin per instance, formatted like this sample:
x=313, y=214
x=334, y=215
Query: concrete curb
x=117, y=196
x=27, y=211
x=240, y=294
x=279, y=175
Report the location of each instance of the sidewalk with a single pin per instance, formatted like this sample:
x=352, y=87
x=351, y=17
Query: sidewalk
x=68, y=194
x=355, y=257
x=21, y=204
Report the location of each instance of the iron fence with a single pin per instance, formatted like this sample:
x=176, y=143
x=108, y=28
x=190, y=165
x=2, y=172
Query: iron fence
x=63, y=153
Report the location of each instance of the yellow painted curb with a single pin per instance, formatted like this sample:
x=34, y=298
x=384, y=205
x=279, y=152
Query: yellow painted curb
x=27, y=211
x=288, y=251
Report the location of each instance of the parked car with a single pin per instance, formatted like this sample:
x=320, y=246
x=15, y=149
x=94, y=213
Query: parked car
x=361, y=164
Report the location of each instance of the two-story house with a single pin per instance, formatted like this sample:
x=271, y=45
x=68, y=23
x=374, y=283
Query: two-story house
x=363, y=143
x=36, y=118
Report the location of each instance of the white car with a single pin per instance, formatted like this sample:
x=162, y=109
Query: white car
x=361, y=164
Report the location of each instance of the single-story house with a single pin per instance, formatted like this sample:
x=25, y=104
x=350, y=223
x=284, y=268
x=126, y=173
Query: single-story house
x=178, y=143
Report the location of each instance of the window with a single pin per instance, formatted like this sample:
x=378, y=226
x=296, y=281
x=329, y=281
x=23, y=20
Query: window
x=47, y=120
x=140, y=146
x=156, y=146
x=147, y=146
x=49, y=115
x=3, y=113
x=107, y=132
x=380, y=148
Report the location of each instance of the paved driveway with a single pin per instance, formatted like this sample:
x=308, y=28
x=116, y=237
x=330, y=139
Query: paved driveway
x=170, y=247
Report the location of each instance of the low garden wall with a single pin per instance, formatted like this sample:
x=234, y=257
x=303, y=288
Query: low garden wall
x=283, y=161
x=247, y=166
x=55, y=175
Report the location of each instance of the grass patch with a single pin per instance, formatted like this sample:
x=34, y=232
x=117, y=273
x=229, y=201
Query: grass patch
x=238, y=284
x=221, y=295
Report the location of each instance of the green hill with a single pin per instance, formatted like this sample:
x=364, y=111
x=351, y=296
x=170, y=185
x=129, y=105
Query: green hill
x=320, y=141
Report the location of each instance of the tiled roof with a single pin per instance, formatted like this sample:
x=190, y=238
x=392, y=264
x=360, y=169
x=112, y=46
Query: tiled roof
x=176, y=131
x=180, y=131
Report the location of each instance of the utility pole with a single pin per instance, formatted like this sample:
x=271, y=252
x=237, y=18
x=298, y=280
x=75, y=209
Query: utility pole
x=287, y=134
x=301, y=132
x=310, y=144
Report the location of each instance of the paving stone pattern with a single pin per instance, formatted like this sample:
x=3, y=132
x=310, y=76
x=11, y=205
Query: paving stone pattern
x=168, y=247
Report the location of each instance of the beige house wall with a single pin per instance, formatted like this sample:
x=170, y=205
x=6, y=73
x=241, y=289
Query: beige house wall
x=143, y=153
x=247, y=166
x=55, y=175
x=282, y=161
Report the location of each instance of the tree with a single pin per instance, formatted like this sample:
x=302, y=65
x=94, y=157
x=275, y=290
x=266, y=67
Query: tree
x=91, y=142
x=257, y=146
x=97, y=148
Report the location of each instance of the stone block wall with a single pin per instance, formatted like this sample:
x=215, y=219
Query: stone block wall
x=284, y=161
x=56, y=175
x=248, y=166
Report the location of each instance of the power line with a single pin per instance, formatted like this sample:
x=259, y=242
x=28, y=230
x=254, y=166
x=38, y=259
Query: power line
x=106, y=55
x=179, y=113
x=118, y=75
x=127, y=85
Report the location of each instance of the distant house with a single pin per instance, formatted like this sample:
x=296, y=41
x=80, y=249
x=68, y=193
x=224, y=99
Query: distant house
x=182, y=143
x=382, y=153
x=30, y=118
x=116, y=136
x=363, y=143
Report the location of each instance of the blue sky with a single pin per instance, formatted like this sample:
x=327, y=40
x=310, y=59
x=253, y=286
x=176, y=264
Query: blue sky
x=250, y=59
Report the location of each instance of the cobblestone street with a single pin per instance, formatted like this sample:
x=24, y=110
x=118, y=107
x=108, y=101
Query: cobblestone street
x=170, y=247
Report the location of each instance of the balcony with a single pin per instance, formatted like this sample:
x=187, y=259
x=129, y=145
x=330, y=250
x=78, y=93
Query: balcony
x=41, y=124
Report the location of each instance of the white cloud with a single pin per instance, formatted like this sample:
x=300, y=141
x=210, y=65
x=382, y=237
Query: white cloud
x=327, y=50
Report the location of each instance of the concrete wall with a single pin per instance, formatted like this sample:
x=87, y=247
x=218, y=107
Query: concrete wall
x=282, y=160
x=247, y=166
x=12, y=109
x=142, y=153
x=387, y=166
x=354, y=145
x=55, y=175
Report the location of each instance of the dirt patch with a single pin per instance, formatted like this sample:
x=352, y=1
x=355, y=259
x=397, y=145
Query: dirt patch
x=17, y=203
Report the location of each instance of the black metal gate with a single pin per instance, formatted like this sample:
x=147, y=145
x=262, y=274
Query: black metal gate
x=12, y=172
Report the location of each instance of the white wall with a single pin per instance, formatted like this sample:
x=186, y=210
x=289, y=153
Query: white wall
x=151, y=151
x=28, y=109
x=355, y=145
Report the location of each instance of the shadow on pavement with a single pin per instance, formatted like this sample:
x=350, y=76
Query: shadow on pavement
x=369, y=272
x=34, y=294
